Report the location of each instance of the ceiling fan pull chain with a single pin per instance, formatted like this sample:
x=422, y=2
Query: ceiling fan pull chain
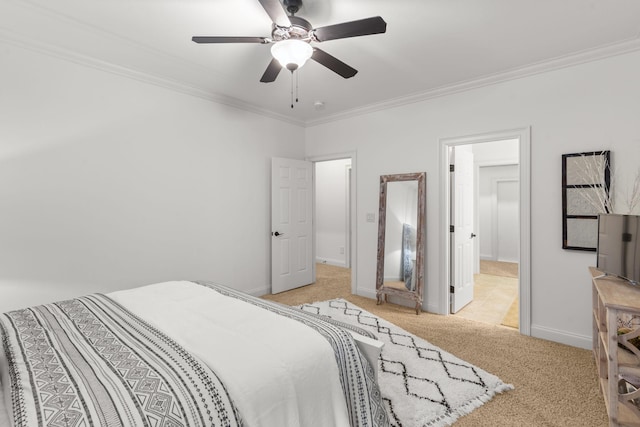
x=297, y=73
x=292, y=89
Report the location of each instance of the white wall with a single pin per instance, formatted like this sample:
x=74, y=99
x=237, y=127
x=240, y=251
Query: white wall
x=505, y=152
x=108, y=183
x=496, y=152
x=493, y=243
x=587, y=107
x=331, y=211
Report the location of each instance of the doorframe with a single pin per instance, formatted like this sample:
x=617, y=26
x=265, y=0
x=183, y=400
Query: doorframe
x=347, y=252
x=524, y=272
x=352, y=208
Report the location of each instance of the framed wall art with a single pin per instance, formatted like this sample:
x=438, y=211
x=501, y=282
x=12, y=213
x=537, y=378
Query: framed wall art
x=586, y=180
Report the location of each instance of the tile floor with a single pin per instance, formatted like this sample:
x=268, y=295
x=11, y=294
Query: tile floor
x=493, y=296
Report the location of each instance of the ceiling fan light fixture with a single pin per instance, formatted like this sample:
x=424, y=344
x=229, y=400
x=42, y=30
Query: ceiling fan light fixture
x=292, y=53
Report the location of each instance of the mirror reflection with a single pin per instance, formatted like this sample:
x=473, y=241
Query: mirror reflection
x=400, y=237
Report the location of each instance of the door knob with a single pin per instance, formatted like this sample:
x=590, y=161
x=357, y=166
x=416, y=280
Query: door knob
x=277, y=233
x=473, y=235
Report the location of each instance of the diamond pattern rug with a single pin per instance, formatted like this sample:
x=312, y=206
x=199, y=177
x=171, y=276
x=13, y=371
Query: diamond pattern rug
x=421, y=384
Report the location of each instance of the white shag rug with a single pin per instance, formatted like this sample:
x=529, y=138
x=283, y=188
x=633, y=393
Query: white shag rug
x=421, y=384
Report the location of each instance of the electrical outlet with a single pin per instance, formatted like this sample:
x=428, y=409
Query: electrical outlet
x=341, y=251
x=371, y=217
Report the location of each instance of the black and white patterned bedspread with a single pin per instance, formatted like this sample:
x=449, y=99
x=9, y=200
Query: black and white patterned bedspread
x=89, y=362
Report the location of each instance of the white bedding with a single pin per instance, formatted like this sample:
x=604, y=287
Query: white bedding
x=296, y=381
x=4, y=415
x=280, y=366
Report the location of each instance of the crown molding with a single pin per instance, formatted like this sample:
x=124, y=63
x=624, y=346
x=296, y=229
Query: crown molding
x=570, y=60
x=23, y=42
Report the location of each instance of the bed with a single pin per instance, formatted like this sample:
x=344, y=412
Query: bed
x=184, y=354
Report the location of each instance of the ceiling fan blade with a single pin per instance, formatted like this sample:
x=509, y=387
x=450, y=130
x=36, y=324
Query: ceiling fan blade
x=333, y=63
x=215, y=39
x=276, y=12
x=362, y=27
x=272, y=71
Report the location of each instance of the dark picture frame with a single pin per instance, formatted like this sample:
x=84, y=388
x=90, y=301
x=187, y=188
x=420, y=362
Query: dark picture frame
x=586, y=178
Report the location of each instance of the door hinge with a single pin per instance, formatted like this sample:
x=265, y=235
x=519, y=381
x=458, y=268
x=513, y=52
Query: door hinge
x=452, y=289
x=452, y=168
x=451, y=229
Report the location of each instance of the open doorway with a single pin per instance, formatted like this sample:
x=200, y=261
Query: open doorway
x=332, y=216
x=495, y=168
x=334, y=251
x=496, y=243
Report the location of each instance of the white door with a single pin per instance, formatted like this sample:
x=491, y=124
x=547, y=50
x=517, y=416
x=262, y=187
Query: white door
x=291, y=224
x=462, y=221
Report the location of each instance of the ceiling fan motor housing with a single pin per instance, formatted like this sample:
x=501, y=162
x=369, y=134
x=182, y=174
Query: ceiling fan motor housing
x=300, y=29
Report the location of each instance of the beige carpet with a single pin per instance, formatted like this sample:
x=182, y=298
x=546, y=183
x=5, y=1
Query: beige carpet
x=555, y=385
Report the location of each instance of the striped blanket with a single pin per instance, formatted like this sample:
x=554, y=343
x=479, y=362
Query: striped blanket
x=90, y=361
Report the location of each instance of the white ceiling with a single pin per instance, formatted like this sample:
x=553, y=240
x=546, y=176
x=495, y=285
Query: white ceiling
x=430, y=47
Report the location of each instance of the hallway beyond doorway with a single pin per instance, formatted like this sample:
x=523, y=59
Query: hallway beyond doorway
x=495, y=295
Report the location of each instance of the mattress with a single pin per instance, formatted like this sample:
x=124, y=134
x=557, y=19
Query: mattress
x=264, y=364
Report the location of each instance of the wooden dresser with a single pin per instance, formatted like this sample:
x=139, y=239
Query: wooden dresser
x=616, y=304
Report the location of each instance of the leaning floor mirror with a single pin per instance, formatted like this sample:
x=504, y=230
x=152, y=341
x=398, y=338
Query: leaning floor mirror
x=401, y=231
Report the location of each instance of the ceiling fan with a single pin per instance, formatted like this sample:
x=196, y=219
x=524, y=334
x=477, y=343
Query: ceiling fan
x=291, y=37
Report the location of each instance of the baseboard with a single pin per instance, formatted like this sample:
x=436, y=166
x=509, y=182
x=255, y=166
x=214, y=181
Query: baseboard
x=367, y=293
x=258, y=292
x=562, y=337
x=433, y=308
x=329, y=261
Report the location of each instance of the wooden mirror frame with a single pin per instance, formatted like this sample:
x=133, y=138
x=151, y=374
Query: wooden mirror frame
x=382, y=291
